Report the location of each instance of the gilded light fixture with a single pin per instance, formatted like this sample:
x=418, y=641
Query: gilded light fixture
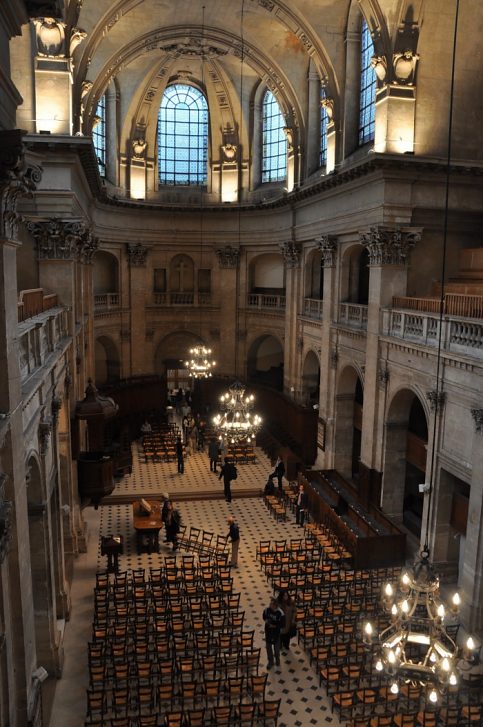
x=237, y=422
x=416, y=647
x=200, y=364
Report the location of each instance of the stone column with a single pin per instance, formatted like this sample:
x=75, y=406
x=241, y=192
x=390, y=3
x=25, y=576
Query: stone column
x=112, y=100
x=137, y=255
x=351, y=94
x=228, y=360
x=17, y=178
x=388, y=250
x=434, y=498
x=395, y=103
x=471, y=579
x=291, y=252
x=327, y=244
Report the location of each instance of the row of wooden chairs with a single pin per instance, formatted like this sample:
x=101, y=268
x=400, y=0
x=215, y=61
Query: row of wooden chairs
x=243, y=714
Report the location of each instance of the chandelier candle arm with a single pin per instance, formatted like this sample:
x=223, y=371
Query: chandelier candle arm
x=200, y=364
x=236, y=421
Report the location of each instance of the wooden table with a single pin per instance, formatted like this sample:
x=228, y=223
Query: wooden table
x=147, y=526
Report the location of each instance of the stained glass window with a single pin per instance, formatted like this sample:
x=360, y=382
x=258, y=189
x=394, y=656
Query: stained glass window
x=274, y=141
x=183, y=136
x=367, y=98
x=323, y=130
x=99, y=135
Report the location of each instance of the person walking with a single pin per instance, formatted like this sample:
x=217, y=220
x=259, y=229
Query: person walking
x=302, y=504
x=234, y=535
x=278, y=472
x=172, y=525
x=289, y=628
x=274, y=622
x=229, y=473
x=213, y=453
x=269, y=488
x=180, y=455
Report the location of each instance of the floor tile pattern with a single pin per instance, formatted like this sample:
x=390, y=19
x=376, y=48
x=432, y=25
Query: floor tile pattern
x=303, y=702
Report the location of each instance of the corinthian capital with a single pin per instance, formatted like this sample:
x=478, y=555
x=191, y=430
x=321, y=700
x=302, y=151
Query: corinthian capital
x=57, y=239
x=291, y=252
x=228, y=256
x=389, y=245
x=17, y=179
x=327, y=244
x=137, y=255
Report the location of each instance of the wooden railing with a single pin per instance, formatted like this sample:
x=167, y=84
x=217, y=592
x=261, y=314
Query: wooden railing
x=454, y=304
x=34, y=301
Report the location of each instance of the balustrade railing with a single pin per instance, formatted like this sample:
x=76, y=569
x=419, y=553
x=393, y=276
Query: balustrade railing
x=353, y=315
x=39, y=340
x=261, y=300
x=107, y=301
x=34, y=301
x=313, y=308
x=185, y=298
x=454, y=304
x=459, y=335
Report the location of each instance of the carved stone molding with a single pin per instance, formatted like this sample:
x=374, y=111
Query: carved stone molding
x=389, y=245
x=328, y=105
x=477, y=415
x=327, y=244
x=400, y=71
x=228, y=256
x=57, y=239
x=139, y=149
x=137, y=255
x=50, y=37
x=56, y=406
x=291, y=252
x=45, y=430
x=383, y=375
x=229, y=152
x=437, y=400
x=5, y=519
x=17, y=179
x=334, y=358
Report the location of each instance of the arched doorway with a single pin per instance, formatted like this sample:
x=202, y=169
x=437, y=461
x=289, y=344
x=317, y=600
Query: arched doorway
x=355, y=276
x=265, y=362
x=311, y=380
x=406, y=439
x=348, y=426
x=170, y=356
x=107, y=361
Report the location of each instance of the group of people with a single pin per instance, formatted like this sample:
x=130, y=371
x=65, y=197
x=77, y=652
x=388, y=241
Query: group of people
x=280, y=619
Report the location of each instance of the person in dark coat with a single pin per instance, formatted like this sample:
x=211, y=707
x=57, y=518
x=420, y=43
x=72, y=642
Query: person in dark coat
x=172, y=525
x=279, y=472
x=234, y=535
x=269, y=487
x=180, y=455
x=274, y=622
x=213, y=454
x=229, y=473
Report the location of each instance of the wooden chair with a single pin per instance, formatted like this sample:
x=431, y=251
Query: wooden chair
x=245, y=714
x=269, y=711
x=256, y=685
x=195, y=717
x=222, y=716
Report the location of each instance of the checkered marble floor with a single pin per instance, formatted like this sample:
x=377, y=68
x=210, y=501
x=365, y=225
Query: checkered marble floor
x=303, y=702
x=154, y=478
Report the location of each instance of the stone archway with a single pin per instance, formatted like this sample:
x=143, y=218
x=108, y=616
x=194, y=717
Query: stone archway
x=406, y=439
x=107, y=361
x=348, y=423
x=265, y=362
x=311, y=380
x=355, y=275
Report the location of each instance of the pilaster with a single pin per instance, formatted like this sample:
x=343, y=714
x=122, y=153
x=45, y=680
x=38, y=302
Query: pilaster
x=228, y=261
x=137, y=255
x=291, y=253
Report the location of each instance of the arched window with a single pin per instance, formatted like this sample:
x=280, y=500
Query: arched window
x=99, y=135
x=324, y=119
x=367, y=98
x=274, y=141
x=183, y=136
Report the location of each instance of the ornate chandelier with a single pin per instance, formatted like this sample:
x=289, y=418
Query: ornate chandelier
x=416, y=648
x=200, y=364
x=237, y=422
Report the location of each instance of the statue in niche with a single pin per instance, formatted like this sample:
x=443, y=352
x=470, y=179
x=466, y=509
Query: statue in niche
x=50, y=37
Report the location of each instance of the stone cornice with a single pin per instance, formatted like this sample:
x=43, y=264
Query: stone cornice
x=377, y=163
